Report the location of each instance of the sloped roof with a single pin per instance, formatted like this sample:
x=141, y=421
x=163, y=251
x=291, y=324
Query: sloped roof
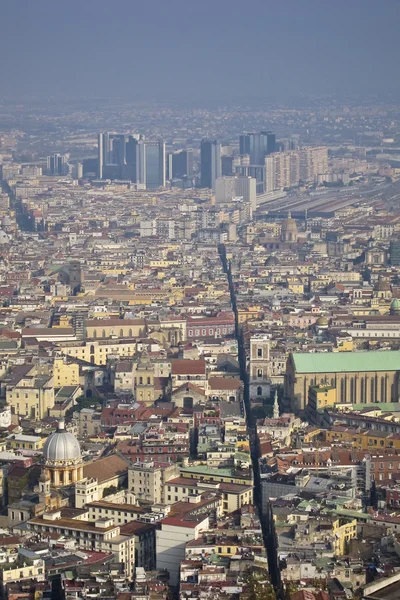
x=346, y=362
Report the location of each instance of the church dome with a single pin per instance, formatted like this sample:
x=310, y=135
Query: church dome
x=62, y=447
x=272, y=261
x=4, y=239
x=322, y=322
x=289, y=232
x=395, y=307
x=382, y=285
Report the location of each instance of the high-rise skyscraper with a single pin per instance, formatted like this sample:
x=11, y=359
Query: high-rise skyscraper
x=395, y=253
x=313, y=161
x=227, y=165
x=131, y=157
x=57, y=165
x=227, y=188
x=180, y=164
x=210, y=159
x=152, y=168
x=257, y=146
x=282, y=170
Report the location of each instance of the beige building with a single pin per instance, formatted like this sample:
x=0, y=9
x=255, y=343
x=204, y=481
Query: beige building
x=357, y=377
x=21, y=570
x=115, y=328
x=102, y=536
x=234, y=495
x=31, y=397
x=143, y=376
x=88, y=421
x=96, y=352
x=146, y=481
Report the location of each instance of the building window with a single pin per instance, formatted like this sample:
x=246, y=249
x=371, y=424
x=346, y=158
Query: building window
x=343, y=390
x=372, y=390
x=259, y=352
x=362, y=390
x=259, y=391
x=259, y=372
x=383, y=389
x=352, y=390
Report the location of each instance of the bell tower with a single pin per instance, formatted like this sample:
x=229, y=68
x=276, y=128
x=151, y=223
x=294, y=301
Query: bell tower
x=44, y=488
x=260, y=387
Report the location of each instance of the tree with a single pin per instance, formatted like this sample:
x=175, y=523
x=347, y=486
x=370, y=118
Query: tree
x=256, y=586
x=108, y=491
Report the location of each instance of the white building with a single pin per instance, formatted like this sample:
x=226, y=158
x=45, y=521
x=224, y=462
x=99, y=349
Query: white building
x=171, y=540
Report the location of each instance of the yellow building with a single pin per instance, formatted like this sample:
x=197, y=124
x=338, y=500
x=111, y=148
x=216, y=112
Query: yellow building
x=62, y=322
x=344, y=530
x=25, y=442
x=97, y=351
x=12, y=572
x=143, y=376
x=31, y=397
x=249, y=313
x=65, y=373
x=363, y=440
x=320, y=397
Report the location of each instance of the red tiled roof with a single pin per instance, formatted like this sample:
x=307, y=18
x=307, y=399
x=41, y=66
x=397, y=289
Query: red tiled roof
x=184, y=366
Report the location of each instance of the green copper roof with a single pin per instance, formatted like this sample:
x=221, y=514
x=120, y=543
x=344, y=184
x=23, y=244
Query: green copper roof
x=346, y=362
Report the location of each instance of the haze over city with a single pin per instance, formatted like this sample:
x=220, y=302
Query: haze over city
x=200, y=300
x=200, y=52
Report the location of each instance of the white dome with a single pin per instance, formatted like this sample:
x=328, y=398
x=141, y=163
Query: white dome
x=62, y=446
x=4, y=239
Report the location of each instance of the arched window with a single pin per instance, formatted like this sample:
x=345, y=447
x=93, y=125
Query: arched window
x=383, y=389
x=342, y=390
x=392, y=398
x=362, y=390
x=259, y=391
x=140, y=380
x=121, y=333
x=130, y=333
x=94, y=333
x=148, y=381
x=92, y=349
x=352, y=390
x=259, y=372
x=104, y=333
x=372, y=390
x=332, y=382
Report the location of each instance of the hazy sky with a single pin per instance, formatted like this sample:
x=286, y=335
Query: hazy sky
x=199, y=50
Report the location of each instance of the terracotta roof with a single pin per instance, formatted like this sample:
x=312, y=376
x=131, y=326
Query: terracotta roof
x=105, y=468
x=223, y=383
x=189, y=386
x=185, y=366
x=41, y=331
x=177, y=522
